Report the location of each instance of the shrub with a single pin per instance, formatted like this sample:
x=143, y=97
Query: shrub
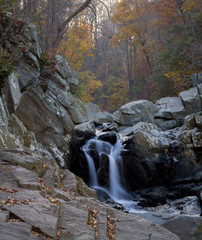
x=6, y=64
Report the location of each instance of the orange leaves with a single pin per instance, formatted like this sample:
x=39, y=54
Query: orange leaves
x=111, y=228
x=42, y=183
x=12, y=201
x=92, y=221
x=9, y=190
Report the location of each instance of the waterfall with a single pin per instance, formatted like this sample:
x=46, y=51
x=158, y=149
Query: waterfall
x=115, y=189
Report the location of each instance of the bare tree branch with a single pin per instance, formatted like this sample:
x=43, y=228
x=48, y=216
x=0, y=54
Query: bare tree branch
x=63, y=27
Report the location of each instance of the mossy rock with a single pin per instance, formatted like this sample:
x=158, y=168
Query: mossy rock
x=6, y=141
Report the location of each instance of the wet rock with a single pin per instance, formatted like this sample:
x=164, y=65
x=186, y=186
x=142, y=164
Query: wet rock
x=188, y=206
x=110, y=137
x=84, y=128
x=103, y=117
x=186, y=165
x=134, y=112
x=148, y=137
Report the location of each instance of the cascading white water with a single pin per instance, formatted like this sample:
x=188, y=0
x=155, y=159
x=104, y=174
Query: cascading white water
x=116, y=191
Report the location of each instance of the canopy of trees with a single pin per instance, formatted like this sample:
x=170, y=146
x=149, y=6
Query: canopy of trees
x=123, y=50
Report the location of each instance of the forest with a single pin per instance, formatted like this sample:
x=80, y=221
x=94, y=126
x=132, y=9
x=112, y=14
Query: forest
x=122, y=50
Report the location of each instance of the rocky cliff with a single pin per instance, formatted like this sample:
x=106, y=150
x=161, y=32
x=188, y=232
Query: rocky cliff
x=38, y=106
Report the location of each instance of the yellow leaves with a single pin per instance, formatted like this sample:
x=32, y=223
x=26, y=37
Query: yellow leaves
x=179, y=79
x=77, y=45
x=187, y=5
x=88, y=87
x=54, y=201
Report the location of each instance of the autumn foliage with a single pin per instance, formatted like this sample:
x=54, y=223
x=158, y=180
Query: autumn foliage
x=122, y=50
x=144, y=49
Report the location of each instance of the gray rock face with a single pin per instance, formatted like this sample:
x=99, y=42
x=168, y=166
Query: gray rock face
x=61, y=205
x=3, y=114
x=13, y=94
x=191, y=100
x=171, y=107
x=185, y=227
x=13, y=134
x=199, y=86
x=134, y=112
x=166, y=124
x=92, y=110
x=198, y=119
x=148, y=137
x=67, y=73
x=42, y=101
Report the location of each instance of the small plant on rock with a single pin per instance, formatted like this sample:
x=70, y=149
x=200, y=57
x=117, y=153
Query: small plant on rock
x=47, y=63
x=6, y=65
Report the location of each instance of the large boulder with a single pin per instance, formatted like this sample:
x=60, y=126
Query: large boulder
x=92, y=110
x=85, y=128
x=147, y=136
x=103, y=117
x=170, y=108
x=134, y=112
x=191, y=100
x=145, y=156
